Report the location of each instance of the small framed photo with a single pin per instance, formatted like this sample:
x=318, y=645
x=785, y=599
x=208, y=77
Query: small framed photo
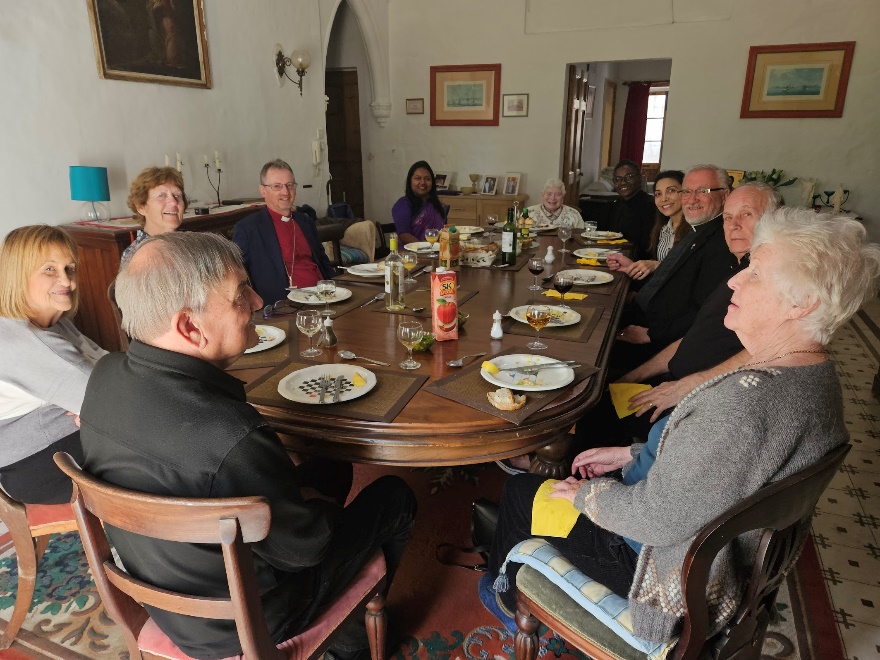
x=511, y=183
x=442, y=180
x=515, y=105
x=415, y=106
x=490, y=185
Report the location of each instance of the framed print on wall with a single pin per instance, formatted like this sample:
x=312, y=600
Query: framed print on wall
x=415, y=106
x=163, y=41
x=465, y=95
x=797, y=80
x=515, y=105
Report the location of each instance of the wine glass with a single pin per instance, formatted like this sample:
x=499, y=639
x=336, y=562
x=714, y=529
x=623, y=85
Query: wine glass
x=538, y=316
x=492, y=219
x=309, y=321
x=409, y=333
x=536, y=267
x=327, y=290
x=432, y=236
x=410, y=261
x=564, y=234
x=563, y=283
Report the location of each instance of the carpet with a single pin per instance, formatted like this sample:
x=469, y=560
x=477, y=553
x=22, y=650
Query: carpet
x=434, y=609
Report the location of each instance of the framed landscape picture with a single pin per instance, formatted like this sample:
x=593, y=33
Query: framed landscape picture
x=797, y=80
x=162, y=41
x=515, y=105
x=465, y=95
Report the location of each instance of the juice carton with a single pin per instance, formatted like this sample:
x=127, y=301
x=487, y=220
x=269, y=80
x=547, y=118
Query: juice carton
x=450, y=247
x=444, y=304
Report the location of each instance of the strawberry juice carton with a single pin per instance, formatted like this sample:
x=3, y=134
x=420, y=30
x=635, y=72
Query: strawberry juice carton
x=444, y=304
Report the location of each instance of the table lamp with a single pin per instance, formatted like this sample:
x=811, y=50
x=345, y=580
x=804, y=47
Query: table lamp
x=89, y=185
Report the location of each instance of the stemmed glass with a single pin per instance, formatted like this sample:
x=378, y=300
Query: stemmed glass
x=410, y=261
x=492, y=220
x=432, y=235
x=327, y=290
x=564, y=234
x=309, y=321
x=409, y=333
x=563, y=283
x=536, y=267
x=538, y=316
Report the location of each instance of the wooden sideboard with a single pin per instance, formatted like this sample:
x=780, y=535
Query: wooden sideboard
x=99, y=251
x=473, y=209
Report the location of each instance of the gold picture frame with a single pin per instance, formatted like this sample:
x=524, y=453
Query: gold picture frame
x=164, y=44
x=465, y=95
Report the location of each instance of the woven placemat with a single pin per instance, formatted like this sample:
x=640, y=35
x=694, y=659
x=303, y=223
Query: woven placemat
x=271, y=357
x=359, y=295
x=423, y=299
x=580, y=331
x=521, y=261
x=468, y=388
x=345, y=276
x=383, y=403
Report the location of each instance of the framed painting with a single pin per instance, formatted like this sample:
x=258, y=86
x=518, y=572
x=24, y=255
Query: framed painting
x=162, y=41
x=511, y=183
x=515, y=105
x=797, y=80
x=465, y=95
x=415, y=106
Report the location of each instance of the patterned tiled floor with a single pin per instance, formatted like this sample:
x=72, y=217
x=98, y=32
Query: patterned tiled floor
x=847, y=523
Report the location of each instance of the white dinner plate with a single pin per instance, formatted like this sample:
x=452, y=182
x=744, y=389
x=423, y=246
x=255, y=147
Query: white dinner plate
x=602, y=235
x=549, y=379
x=592, y=253
x=559, y=316
x=303, y=386
x=469, y=230
x=544, y=228
x=310, y=296
x=585, y=276
x=270, y=337
x=367, y=270
x=422, y=247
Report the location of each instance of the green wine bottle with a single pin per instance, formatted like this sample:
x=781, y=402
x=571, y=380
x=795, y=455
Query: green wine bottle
x=508, y=240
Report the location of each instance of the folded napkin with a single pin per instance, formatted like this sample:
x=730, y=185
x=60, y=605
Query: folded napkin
x=588, y=262
x=568, y=296
x=552, y=516
x=621, y=393
x=617, y=241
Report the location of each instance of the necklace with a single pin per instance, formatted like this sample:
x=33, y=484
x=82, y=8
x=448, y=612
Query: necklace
x=287, y=270
x=782, y=355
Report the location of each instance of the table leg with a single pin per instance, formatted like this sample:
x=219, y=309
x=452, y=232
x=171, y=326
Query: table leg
x=551, y=460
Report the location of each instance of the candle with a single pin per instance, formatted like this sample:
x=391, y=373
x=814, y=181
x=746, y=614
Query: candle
x=205, y=156
x=179, y=163
x=167, y=161
x=217, y=159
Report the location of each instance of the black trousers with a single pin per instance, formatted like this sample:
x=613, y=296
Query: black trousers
x=601, y=554
x=37, y=480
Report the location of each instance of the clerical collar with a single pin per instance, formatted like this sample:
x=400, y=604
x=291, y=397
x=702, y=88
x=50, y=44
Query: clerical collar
x=278, y=216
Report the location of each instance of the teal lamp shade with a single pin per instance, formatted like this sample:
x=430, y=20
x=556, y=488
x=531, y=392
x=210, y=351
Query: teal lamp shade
x=89, y=185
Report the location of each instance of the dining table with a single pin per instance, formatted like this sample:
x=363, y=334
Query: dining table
x=417, y=422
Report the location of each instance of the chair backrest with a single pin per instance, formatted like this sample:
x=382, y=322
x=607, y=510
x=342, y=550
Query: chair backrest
x=228, y=522
x=782, y=511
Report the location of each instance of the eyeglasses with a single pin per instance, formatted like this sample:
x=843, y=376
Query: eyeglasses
x=278, y=187
x=626, y=177
x=668, y=191
x=687, y=192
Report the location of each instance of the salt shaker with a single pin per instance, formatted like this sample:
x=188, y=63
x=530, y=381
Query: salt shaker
x=549, y=258
x=328, y=336
x=496, y=332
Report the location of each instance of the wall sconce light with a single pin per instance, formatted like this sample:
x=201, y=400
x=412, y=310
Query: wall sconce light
x=299, y=60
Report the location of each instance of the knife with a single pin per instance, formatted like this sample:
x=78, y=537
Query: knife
x=337, y=389
x=534, y=368
x=325, y=383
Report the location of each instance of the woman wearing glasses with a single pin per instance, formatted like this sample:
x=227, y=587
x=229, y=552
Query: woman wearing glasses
x=157, y=199
x=633, y=212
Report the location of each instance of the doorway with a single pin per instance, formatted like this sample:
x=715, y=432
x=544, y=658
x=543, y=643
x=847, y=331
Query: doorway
x=344, y=139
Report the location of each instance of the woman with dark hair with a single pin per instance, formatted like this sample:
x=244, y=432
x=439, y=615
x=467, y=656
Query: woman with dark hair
x=669, y=227
x=419, y=209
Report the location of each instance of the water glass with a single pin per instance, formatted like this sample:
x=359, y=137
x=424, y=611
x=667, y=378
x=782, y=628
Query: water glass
x=590, y=226
x=327, y=290
x=309, y=322
x=564, y=234
x=410, y=333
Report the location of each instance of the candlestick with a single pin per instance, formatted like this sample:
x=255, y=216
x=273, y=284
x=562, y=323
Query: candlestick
x=205, y=156
x=167, y=161
x=217, y=159
x=179, y=163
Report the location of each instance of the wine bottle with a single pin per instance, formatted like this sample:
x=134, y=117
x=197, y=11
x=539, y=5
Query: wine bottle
x=508, y=240
x=394, y=276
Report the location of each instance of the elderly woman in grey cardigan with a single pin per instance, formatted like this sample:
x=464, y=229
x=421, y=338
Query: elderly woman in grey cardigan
x=732, y=435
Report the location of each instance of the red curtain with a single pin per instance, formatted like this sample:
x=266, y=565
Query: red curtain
x=635, y=118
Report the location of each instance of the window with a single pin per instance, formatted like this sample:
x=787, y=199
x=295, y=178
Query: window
x=655, y=123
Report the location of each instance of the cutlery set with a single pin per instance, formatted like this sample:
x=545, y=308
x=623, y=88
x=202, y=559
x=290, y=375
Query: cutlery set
x=326, y=384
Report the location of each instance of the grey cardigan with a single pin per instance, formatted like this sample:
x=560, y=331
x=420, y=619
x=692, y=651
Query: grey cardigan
x=724, y=441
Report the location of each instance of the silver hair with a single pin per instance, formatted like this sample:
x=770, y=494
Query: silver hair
x=772, y=197
x=178, y=274
x=553, y=183
x=720, y=173
x=276, y=164
x=827, y=261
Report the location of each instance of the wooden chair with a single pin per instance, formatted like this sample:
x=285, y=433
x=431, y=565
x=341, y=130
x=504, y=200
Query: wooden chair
x=230, y=522
x=30, y=526
x=781, y=510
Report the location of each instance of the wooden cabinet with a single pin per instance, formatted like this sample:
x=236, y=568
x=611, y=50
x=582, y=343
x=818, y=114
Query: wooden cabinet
x=473, y=209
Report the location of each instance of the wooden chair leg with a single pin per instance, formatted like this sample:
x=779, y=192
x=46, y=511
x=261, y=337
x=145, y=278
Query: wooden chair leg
x=40, y=545
x=525, y=642
x=377, y=626
x=25, y=552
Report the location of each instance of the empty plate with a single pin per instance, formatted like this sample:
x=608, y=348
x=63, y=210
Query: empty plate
x=304, y=385
x=270, y=337
x=367, y=270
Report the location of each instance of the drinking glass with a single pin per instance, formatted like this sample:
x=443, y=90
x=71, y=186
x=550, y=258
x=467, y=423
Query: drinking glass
x=563, y=283
x=536, y=267
x=409, y=333
x=590, y=226
x=432, y=235
x=410, y=261
x=327, y=290
x=492, y=219
x=309, y=321
x=564, y=234
x=538, y=316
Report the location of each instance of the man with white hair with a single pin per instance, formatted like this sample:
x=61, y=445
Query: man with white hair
x=166, y=419
x=551, y=210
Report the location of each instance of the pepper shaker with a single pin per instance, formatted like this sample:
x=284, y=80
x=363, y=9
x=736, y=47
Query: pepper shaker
x=328, y=336
x=496, y=332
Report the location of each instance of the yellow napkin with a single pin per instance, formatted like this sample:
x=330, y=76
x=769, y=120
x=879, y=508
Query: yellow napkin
x=568, y=296
x=621, y=393
x=618, y=241
x=588, y=262
x=552, y=516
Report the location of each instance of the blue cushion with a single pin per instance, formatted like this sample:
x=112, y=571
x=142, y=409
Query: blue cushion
x=351, y=256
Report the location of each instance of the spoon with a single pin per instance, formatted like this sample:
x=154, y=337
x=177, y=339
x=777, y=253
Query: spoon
x=458, y=362
x=378, y=296
x=415, y=309
x=348, y=355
